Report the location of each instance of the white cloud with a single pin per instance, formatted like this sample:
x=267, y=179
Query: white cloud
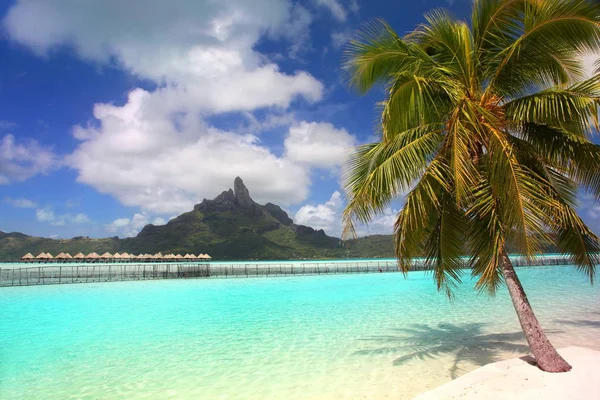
x=340, y=38
x=21, y=161
x=144, y=158
x=589, y=60
x=200, y=51
x=322, y=216
x=159, y=221
x=297, y=30
x=7, y=125
x=79, y=218
x=44, y=215
x=327, y=216
x=594, y=212
x=336, y=9
x=156, y=151
x=354, y=6
x=382, y=224
x=47, y=215
x=318, y=144
x=20, y=202
x=129, y=227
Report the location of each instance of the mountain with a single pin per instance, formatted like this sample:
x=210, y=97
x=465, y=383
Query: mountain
x=232, y=226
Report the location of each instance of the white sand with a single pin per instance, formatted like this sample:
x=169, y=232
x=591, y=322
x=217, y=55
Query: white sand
x=517, y=379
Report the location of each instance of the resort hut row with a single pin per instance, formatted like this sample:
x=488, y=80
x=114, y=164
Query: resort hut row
x=108, y=257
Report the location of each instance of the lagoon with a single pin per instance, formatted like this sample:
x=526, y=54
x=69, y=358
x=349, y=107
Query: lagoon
x=301, y=337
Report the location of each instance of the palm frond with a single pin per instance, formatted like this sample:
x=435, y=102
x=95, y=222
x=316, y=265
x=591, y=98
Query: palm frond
x=376, y=173
x=574, y=108
x=546, y=29
x=375, y=54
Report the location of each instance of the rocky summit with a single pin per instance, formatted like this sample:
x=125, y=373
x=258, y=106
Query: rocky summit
x=231, y=226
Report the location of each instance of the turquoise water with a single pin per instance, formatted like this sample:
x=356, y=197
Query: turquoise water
x=312, y=337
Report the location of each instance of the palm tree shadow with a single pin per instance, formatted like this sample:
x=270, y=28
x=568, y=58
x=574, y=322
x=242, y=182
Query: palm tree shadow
x=580, y=322
x=465, y=342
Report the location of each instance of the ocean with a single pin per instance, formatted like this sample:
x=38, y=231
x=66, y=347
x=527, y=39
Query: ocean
x=361, y=336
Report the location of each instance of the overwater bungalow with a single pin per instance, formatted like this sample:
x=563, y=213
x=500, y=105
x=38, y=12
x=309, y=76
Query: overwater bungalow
x=60, y=257
x=106, y=257
x=28, y=257
x=68, y=257
x=79, y=256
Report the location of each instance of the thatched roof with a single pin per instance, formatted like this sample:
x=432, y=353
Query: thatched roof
x=79, y=255
x=27, y=256
x=60, y=256
x=48, y=255
x=188, y=256
x=106, y=255
x=204, y=256
x=92, y=255
x=67, y=255
x=125, y=255
x=116, y=255
x=170, y=256
x=178, y=256
x=158, y=256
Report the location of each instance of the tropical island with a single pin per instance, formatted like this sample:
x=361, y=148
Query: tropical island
x=230, y=227
x=486, y=137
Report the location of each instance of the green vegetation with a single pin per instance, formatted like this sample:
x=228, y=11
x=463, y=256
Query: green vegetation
x=488, y=124
x=225, y=228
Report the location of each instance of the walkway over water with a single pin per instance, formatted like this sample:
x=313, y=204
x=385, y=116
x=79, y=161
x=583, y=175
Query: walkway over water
x=30, y=275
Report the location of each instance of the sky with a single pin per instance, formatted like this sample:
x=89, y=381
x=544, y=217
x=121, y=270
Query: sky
x=115, y=114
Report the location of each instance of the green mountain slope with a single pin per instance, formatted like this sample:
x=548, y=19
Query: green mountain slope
x=232, y=226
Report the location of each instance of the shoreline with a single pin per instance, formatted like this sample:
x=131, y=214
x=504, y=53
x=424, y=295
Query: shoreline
x=518, y=379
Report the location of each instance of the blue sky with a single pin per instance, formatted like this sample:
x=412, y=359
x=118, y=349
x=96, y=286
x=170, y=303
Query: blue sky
x=117, y=114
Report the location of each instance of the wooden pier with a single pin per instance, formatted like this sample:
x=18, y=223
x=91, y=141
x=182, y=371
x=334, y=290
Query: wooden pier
x=29, y=275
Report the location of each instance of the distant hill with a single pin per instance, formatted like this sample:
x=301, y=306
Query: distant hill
x=230, y=227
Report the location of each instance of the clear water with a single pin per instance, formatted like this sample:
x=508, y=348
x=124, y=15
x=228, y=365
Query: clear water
x=371, y=336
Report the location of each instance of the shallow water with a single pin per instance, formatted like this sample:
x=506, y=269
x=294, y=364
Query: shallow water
x=371, y=336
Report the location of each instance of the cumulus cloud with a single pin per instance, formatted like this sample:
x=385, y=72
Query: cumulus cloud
x=298, y=30
x=340, y=38
x=7, y=125
x=47, y=215
x=328, y=216
x=20, y=202
x=202, y=51
x=21, y=161
x=324, y=216
x=318, y=144
x=139, y=155
x=336, y=9
x=589, y=61
x=129, y=227
x=157, y=151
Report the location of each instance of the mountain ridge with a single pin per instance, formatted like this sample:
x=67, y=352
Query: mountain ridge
x=230, y=226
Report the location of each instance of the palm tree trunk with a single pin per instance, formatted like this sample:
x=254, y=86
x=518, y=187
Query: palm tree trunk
x=546, y=356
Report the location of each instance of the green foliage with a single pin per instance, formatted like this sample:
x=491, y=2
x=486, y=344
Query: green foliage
x=223, y=229
x=488, y=127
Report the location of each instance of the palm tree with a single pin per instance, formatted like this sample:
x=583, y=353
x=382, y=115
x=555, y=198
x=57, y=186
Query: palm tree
x=487, y=126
